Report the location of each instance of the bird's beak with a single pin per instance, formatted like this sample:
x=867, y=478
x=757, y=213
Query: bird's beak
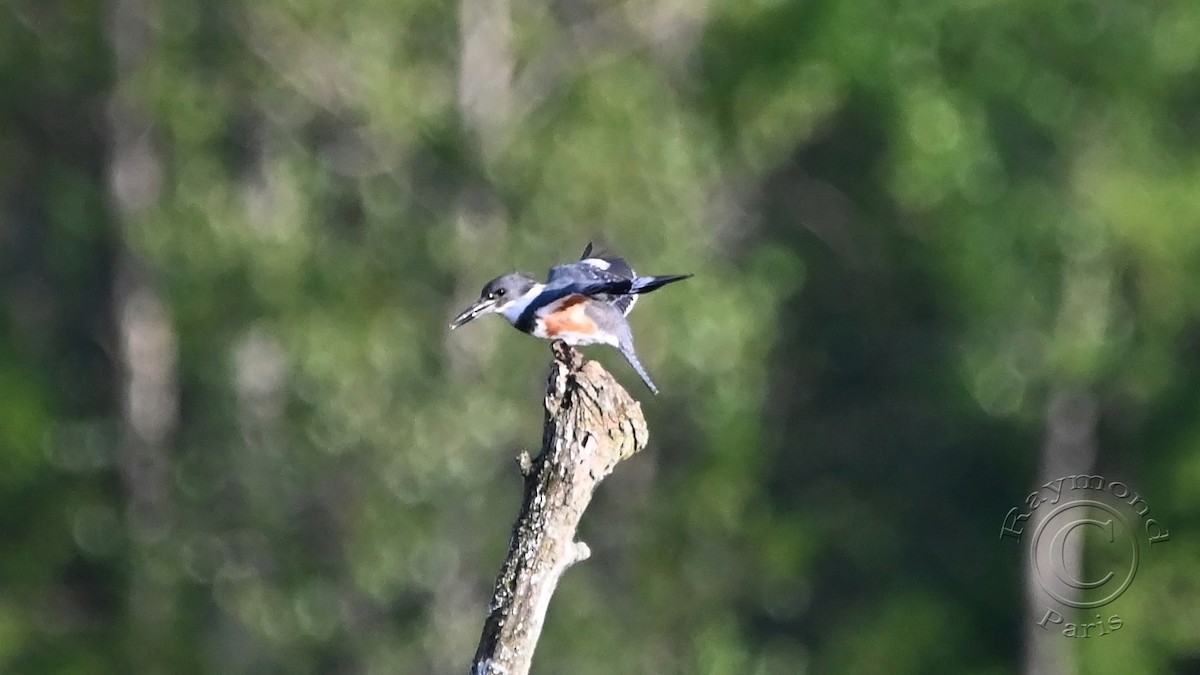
x=481, y=306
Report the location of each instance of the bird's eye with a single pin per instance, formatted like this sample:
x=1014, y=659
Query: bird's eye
x=499, y=292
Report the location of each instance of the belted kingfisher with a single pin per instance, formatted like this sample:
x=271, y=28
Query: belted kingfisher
x=582, y=303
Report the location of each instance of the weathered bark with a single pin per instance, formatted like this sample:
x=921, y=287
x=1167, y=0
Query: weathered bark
x=591, y=424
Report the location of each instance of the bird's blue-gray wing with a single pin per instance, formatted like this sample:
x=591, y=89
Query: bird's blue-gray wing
x=586, y=277
x=576, y=278
x=609, y=262
x=601, y=267
x=616, y=266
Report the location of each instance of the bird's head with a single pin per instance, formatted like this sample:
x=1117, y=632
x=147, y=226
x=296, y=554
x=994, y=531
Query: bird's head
x=497, y=295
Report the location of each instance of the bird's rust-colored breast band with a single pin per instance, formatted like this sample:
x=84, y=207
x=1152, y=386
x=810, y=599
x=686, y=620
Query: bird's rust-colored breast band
x=569, y=315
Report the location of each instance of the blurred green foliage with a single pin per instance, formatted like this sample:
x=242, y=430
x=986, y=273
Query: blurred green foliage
x=911, y=224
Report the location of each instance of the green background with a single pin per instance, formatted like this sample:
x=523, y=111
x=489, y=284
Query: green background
x=942, y=250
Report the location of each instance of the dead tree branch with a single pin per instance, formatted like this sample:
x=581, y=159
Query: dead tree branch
x=591, y=424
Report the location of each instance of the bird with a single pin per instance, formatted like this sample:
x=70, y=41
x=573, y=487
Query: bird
x=584, y=302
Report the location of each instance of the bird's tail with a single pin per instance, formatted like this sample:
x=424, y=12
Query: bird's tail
x=647, y=284
x=635, y=286
x=625, y=346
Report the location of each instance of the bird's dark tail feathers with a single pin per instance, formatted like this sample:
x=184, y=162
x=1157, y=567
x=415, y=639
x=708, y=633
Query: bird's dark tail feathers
x=647, y=284
x=635, y=286
x=626, y=348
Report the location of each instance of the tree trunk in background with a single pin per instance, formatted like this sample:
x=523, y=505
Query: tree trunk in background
x=1069, y=448
x=148, y=352
x=485, y=69
x=1083, y=321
